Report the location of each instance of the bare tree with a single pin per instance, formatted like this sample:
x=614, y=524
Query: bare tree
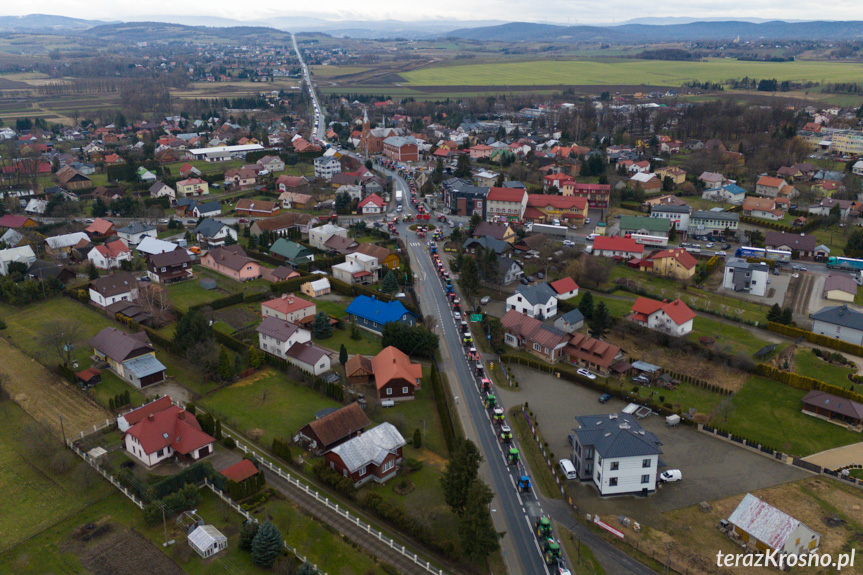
x=38, y=441
x=203, y=356
x=153, y=299
x=60, y=338
x=430, y=322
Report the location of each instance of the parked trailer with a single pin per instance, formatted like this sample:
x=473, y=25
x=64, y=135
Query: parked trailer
x=398, y=196
x=650, y=240
x=549, y=230
x=783, y=256
x=844, y=263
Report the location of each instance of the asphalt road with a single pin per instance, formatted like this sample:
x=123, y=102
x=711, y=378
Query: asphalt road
x=320, y=131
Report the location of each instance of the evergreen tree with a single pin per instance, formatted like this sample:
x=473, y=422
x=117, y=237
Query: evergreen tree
x=99, y=209
x=585, y=306
x=601, y=321
x=854, y=246
x=469, y=276
x=267, y=545
x=218, y=434
x=224, y=369
x=462, y=169
x=390, y=284
x=355, y=330
x=477, y=534
x=459, y=474
x=321, y=327
x=256, y=358
x=92, y=271
x=247, y=534
x=774, y=314
x=418, y=438
x=238, y=363
x=343, y=354
x=192, y=328
x=787, y=316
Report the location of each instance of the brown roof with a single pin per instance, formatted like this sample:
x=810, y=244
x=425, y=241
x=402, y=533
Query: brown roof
x=533, y=330
x=357, y=363
x=307, y=353
x=283, y=221
x=391, y=364
x=119, y=345
x=233, y=257
x=374, y=250
x=339, y=424
x=834, y=404
x=120, y=282
x=497, y=231
x=260, y=206
x=800, y=242
x=170, y=259
x=341, y=245
x=591, y=349
x=240, y=471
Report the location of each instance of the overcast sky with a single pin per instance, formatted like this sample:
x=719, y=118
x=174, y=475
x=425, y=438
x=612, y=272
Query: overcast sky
x=551, y=11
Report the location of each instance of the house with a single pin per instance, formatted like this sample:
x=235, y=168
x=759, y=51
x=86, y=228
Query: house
x=108, y=256
x=762, y=527
x=334, y=428
x=615, y=454
x=309, y=357
x=539, y=301
x=192, y=187
x=480, y=151
x=206, y=540
x=214, y=233
x=289, y=307
x=713, y=224
x=316, y=288
x=272, y=164
x=283, y=224
x=276, y=336
x=506, y=204
x=373, y=314
x=372, y=204
x=633, y=167
x=611, y=247
x=357, y=269
x=499, y=231
x=134, y=233
x=130, y=356
x=12, y=238
x=674, y=318
x=100, y=228
x=463, y=198
x=839, y=322
x=42, y=271
x=60, y=246
x=23, y=255
x=279, y=274
x=833, y=407
x=388, y=260
x=319, y=235
x=570, y=322
x=71, y=179
x=728, y=193
x=150, y=246
x=163, y=434
x=644, y=225
x=648, y=183
x=823, y=208
x=543, y=208
x=676, y=263
x=107, y=290
x=341, y=245
x=326, y=167
x=396, y=378
x=160, y=189
x=256, y=208
x=711, y=180
x=15, y=222
x=487, y=243
x=678, y=215
x=485, y=178
x=545, y=341
x=742, y=276
x=401, y=149
x=126, y=420
x=593, y=354
x=358, y=370
x=675, y=174
x=802, y=246
x=508, y=271
x=840, y=287
x=857, y=168
x=36, y=207
x=564, y=288
x=827, y=187
x=770, y=186
x=291, y=252
x=372, y=456
x=233, y=262
x=764, y=208
x=206, y=209
x=170, y=267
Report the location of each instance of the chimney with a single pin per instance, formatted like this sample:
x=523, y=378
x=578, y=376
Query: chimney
x=182, y=414
x=284, y=296
x=151, y=417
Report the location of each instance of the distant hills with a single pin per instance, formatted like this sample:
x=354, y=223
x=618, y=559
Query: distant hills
x=45, y=23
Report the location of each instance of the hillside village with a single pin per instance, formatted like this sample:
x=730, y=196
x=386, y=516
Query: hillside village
x=235, y=303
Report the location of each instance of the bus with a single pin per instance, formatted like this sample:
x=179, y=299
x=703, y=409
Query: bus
x=844, y=263
x=782, y=256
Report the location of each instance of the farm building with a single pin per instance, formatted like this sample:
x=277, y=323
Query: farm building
x=764, y=527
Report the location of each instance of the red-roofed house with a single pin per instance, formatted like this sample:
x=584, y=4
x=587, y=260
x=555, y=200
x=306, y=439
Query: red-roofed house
x=771, y=187
x=540, y=339
x=556, y=207
x=593, y=354
x=15, y=222
x=163, y=434
x=257, y=208
x=130, y=418
x=396, y=378
x=555, y=181
x=289, y=308
x=506, y=203
x=100, y=228
x=372, y=204
x=110, y=255
x=611, y=247
x=675, y=263
x=598, y=195
x=480, y=151
x=286, y=183
x=764, y=208
x=673, y=318
x=565, y=288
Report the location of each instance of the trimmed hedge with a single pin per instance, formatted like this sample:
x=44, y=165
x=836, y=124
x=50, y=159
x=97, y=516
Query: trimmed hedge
x=816, y=338
x=789, y=378
x=449, y=429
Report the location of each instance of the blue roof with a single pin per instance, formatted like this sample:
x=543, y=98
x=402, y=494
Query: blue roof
x=376, y=310
x=733, y=188
x=143, y=366
x=573, y=316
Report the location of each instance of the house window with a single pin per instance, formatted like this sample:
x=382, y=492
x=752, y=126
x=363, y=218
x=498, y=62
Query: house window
x=615, y=465
x=645, y=463
x=362, y=470
x=163, y=269
x=405, y=390
x=160, y=453
x=599, y=477
x=612, y=482
x=389, y=391
x=537, y=347
x=332, y=464
x=645, y=479
x=388, y=465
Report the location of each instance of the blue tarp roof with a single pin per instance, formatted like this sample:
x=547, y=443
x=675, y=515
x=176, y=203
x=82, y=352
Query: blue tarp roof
x=376, y=310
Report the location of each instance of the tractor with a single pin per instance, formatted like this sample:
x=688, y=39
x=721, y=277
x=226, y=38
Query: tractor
x=542, y=526
x=485, y=383
x=479, y=371
x=513, y=457
x=551, y=551
x=490, y=401
x=505, y=434
x=497, y=415
x=524, y=484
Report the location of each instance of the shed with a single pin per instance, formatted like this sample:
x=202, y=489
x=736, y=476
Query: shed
x=208, y=283
x=206, y=540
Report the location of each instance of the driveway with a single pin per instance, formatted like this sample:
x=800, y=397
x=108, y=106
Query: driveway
x=712, y=469
x=777, y=289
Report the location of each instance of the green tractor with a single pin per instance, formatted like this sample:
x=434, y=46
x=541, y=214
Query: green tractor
x=551, y=551
x=497, y=415
x=542, y=526
x=505, y=435
x=490, y=401
x=513, y=456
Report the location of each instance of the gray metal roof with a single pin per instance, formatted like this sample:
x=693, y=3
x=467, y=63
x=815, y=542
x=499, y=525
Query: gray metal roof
x=143, y=366
x=839, y=315
x=730, y=216
x=616, y=435
x=644, y=366
x=672, y=209
x=209, y=227
x=536, y=294
x=372, y=447
x=573, y=316
x=136, y=228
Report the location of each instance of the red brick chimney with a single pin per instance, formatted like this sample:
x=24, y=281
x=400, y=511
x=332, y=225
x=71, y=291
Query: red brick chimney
x=182, y=414
x=151, y=417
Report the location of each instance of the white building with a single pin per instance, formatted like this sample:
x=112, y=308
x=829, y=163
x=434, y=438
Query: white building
x=164, y=434
x=134, y=233
x=506, y=203
x=222, y=153
x=357, y=269
x=23, y=255
x=839, y=322
x=674, y=318
x=161, y=189
x=276, y=336
x=326, y=167
x=679, y=215
x=615, y=453
x=121, y=286
x=537, y=301
x=763, y=526
x=742, y=276
x=108, y=256
x=318, y=236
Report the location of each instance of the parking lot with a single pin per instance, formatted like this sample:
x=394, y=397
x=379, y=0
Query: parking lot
x=712, y=469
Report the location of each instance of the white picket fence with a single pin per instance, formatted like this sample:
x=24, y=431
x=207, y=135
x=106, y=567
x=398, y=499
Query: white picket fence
x=95, y=465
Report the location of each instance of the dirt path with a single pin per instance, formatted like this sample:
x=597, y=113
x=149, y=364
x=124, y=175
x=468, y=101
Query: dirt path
x=45, y=396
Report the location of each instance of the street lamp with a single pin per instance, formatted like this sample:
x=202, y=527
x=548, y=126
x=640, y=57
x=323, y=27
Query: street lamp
x=546, y=267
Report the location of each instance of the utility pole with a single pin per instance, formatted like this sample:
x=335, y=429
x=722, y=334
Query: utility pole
x=63, y=430
x=165, y=525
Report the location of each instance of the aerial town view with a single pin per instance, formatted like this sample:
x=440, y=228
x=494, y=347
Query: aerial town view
x=480, y=288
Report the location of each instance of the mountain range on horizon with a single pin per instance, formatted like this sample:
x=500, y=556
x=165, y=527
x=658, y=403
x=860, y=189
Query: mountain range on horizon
x=639, y=30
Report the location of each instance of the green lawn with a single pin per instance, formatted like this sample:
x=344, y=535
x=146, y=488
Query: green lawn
x=188, y=293
x=728, y=337
x=34, y=496
x=768, y=412
x=421, y=413
x=368, y=344
x=806, y=363
x=333, y=308
x=542, y=476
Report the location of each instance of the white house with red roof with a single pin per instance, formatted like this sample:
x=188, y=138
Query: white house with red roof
x=372, y=204
x=565, y=288
x=164, y=431
x=506, y=203
x=289, y=307
x=616, y=247
x=674, y=318
x=555, y=181
x=108, y=256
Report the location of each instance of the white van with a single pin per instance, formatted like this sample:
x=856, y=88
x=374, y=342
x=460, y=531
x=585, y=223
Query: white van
x=568, y=468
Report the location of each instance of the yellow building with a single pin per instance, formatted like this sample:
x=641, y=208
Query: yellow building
x=676, y=263
x=677, y=175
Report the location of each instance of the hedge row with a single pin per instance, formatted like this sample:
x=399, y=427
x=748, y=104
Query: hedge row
x=811, y=224
x=806, y=383
x=449, y=432
x=266, y=258
x=816, y=338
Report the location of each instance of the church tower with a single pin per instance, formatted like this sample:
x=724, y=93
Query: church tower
x=364, y=138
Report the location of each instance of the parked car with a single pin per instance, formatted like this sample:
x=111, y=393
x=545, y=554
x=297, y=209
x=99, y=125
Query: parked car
x=709, y=245
x=726, y=246
x=529, y=279
x=642, y=379
x=524, y=281
x=721, y=254
x=569, y=243
x=485, y=300
x=604, y=398
x=540, y=275
x=585, y=373
x=457, y=315
x=670, y=476
x=586, y=220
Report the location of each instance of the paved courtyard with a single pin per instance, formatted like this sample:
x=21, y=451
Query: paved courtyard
x=712, y=469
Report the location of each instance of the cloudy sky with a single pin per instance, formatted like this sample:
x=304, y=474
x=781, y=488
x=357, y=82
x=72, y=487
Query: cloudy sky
x=551, y=11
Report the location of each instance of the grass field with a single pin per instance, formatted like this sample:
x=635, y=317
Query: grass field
x=768, y=412
x=542, y=475
x=328, y=71
x=626, y=72
x=805, y=363
x=368, y=344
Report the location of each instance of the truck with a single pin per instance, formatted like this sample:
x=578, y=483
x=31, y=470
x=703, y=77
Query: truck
x=648, y=240
x=782, y=256
x=839, y=263
x=549, y=230
x=399, y=197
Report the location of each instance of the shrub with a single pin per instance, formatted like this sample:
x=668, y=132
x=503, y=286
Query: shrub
x=229, y=442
